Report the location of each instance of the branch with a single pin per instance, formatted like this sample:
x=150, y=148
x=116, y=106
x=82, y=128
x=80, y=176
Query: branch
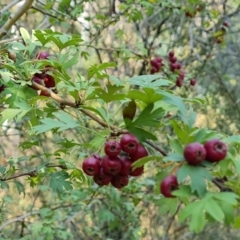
x=65, y=102
x=33, y=172
x=6, y=27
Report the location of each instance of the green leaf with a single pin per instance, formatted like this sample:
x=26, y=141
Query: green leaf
x=167, y=205
x=140, y=162
x=237, y=222
x=71, y=62
x=183, y=191
x=95, y=69
x=140, y=133
x=110, y=94
x=10, y=114
x=227, y=197
x=4, y=185
x=20, y=187
x=175, y=145
x=174, y=157
x=77, y=174
x=198, y=176
x=146, y=95
x=64, y=122
x=232, y=139
x=148, y=116
x=58, y=181
x=25, y=35
x=189, y=209
x=106, y=65
x=228, y=211
x=176, y=101
x=214, y=210
x=150, y=81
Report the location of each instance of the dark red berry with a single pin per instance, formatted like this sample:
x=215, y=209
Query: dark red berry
x=120, y=181
x=226, y=24
x=38, y=81
x=181, y=75
x=173, y=59
x=216, y=150
x=178, y=66
x=194, y=153
x=179, y=82
x=126, y=165
x=129, y=143
x=111, y=166
x=140, y=153
x=44, y=93
x=43, y=55
x=173, y=67
x=112, y=148
x=193, y=82
x=171, y=53
x=154, y=70
x=158, y=59
x=136, y=172
x=49, y=81
x=2, y=87
x=102, y=178
x=168, y=185
x=91, y=166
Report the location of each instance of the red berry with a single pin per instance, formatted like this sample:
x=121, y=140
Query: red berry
x=126, y=165
x=171, y=54
x=111, y=166
x=129, y=143
x=173, y=59
x=2, y=87
x=140, y=153
x=43, y=55
x=102, y=178
x=156, y=64
x=173, y=67
x=216, y=150
x=49, y=81
x=38, y=81
x=136, y=172
x=168, y=185
x=120, y=181
x=44, y=93
x=226, y=24
x=178, y=66
x=179, y=82
x=158, y=59
x=154, y=70
x=91, y=166
x=194, y=153
x=181, y=75
x=112, y=148
x=193, y=82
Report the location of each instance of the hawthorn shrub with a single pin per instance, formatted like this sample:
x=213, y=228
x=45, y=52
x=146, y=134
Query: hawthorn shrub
x=102, y=147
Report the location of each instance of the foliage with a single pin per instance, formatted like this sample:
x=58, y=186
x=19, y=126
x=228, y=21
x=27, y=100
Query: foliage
x=104, y=88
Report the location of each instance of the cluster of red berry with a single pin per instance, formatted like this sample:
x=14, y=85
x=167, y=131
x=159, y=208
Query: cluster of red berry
x=174, y=66
x=156, y=65
x=195, y=153
x=116, y=165
x=43, y=78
